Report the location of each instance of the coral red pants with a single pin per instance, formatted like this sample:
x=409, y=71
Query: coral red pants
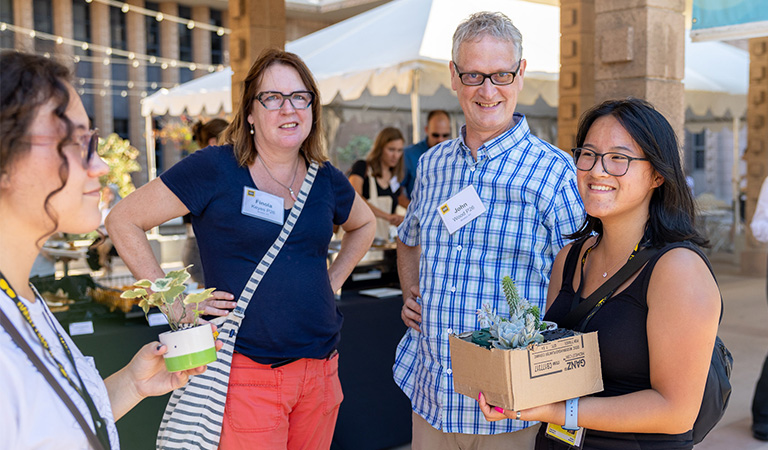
x=291, y=407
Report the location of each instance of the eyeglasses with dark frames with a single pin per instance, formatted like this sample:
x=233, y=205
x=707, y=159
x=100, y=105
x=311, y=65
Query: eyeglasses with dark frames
x=614, y=163
x=272, y=100
x=88, y=142
x=478, y=78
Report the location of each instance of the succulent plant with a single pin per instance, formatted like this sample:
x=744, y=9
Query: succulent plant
x=165, y=292
x=524, y=325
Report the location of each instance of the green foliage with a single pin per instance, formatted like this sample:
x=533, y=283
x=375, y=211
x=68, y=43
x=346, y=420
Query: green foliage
x=357, y=148
x=120, y=156
x=166, y=291
x=512, y=295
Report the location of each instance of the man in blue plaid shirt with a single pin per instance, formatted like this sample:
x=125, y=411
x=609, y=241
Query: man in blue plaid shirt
x=495, y=201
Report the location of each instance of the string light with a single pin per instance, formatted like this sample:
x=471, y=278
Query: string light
x=125, y=8
x=110, y=52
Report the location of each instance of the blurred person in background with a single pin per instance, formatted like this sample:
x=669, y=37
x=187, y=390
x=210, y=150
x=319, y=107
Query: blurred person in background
x=376, y=179
x=438, y=129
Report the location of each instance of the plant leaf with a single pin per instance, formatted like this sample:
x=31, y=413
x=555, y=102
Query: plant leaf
x=179, y=276
x=134, y=293
x=198, y=297
x=162, y=284
x=170, y=295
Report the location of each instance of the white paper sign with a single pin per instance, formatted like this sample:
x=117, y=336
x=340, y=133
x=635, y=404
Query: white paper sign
x=156, y=319
x=262, y=205
x=80, y=328
x=461, y=209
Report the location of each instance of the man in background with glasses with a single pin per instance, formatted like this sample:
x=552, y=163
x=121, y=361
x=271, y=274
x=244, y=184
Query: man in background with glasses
x=495, y=201
x=438, y=129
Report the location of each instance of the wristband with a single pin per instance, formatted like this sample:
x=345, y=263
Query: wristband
x=571, y=414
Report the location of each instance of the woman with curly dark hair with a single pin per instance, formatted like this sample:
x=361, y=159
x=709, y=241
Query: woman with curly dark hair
x=49, y=182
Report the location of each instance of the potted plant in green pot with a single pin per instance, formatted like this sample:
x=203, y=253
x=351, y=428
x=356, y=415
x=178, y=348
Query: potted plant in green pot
x=189, y=344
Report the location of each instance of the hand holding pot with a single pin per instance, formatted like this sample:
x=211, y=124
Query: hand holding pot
x=145, y=376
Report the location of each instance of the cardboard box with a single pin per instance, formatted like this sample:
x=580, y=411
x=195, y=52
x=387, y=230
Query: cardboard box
x=526, y=377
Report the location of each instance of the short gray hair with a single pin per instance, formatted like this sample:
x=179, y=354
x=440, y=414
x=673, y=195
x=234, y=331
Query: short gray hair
x=485, y=23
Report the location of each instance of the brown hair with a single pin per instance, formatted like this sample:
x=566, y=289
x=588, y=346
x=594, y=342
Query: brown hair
x=203, y=133
x=29, y=82
x=373, y=159
x=238, y=132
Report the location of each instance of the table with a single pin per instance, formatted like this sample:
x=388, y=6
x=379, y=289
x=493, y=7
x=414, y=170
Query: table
x=375, y=414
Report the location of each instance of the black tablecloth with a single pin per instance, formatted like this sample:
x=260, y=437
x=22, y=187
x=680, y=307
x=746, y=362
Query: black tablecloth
x=375, y=414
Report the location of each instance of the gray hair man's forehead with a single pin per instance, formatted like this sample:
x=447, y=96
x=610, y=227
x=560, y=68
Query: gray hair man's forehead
x=486, y=23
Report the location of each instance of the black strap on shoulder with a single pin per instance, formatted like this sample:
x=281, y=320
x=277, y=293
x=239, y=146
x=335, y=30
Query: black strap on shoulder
x=19, y=340
x=572, y=262
x=627, y=270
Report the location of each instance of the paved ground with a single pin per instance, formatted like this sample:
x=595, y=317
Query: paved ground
x=744, y=330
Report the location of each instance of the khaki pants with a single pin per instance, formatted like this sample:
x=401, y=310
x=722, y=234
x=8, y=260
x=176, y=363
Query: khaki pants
x=425, y=437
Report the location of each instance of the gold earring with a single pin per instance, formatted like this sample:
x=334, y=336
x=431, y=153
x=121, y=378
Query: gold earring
x=253, y=129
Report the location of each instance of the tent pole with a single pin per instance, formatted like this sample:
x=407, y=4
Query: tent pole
x=415, y=107
x=149, y=136
x=736, y=178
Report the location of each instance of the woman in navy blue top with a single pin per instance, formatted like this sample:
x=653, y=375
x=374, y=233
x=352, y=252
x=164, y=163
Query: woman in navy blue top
x=657, y=331
x=291, y=326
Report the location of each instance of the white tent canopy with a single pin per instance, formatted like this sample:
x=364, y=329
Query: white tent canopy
x=396, y=56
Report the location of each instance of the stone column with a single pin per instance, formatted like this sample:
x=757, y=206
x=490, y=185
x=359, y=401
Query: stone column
x=103, y=118
x=63, y=26
x=577, y=67
x=169, y=43
x=23, y=17
x=256, y=25
x=201, y=39
x=753, y=257
x=639, y=52
x=136, y=36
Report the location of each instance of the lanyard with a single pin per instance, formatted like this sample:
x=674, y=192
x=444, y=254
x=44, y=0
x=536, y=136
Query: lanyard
x=98, y=422
x=577, y=295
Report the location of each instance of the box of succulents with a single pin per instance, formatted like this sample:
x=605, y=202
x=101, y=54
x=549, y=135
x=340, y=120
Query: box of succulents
x=520, y=361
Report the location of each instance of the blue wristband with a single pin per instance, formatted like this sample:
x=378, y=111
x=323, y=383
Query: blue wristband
x=571, y=414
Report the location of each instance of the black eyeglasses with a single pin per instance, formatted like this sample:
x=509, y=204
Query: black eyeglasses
x=88, y=142
x=615, y=164
x=272, y=100
x=440, y=135
x=478, y=78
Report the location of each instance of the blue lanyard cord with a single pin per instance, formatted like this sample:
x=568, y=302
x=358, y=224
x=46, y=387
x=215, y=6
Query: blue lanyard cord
x=98, y=422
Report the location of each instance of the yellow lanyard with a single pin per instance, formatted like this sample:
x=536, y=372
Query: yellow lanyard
x=99, y=423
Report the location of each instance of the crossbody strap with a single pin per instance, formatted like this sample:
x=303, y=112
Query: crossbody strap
x=269, y=257
x=606, y=289
x=19, y=340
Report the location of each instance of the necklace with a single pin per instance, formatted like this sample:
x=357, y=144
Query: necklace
x=605, y=274
x=295, y=171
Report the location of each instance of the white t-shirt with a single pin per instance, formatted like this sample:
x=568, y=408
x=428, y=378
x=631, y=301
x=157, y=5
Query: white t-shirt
x=32, y=415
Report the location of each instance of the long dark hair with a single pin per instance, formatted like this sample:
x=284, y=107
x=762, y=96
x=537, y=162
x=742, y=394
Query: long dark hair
x=29, y=82
x=671, y=213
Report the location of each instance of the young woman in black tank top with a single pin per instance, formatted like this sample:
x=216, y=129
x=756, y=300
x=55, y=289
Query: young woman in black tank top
x=657, y=331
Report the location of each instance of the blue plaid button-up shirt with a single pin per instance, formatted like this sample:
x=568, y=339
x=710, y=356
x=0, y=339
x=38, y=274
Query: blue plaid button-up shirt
x=529, y=190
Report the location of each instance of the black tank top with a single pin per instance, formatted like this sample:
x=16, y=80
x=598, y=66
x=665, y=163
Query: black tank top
x=621, y=326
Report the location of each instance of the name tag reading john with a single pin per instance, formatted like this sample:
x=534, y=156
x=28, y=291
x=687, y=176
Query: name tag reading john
x=461, y=209
x=262, y=205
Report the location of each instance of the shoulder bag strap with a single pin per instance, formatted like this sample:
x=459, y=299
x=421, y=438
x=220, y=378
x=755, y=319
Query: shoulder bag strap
x=627, y=270
x=19, y=340
x=266, y=261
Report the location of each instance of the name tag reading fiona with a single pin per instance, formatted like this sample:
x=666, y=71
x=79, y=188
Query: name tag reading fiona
x=262, y=205
x=461, y=209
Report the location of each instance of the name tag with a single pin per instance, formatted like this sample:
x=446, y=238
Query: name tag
x=394, y=184
x=461, y=209
x=262, y=205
